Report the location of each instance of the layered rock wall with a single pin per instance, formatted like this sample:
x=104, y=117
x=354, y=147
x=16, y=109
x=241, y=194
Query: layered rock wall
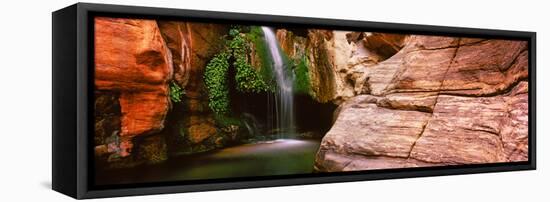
x=436, y=101
x=132, y=68
x=135, y=62
x=404, y=100
x=192, y=122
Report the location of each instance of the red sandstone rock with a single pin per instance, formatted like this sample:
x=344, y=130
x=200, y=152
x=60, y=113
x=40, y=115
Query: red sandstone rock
x=178, y=39
x=458, y=101
x=132, y=59
x=192, y=45
x=385, y=45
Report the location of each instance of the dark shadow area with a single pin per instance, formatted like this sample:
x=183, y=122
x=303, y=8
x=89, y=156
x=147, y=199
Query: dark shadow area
x=310, y=115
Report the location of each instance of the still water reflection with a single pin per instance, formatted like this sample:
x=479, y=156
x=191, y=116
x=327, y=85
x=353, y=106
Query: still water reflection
x=277, y=157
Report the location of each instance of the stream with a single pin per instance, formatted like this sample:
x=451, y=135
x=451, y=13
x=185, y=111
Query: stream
x=265, y=158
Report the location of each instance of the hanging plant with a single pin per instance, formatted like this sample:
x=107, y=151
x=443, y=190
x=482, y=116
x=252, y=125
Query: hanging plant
x=216, y=75
x=176, y=92
x=215, y=78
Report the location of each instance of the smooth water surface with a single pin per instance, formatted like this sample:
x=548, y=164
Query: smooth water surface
x=277, y=157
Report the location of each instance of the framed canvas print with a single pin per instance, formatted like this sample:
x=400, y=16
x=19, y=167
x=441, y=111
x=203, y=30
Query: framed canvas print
x=155, y=100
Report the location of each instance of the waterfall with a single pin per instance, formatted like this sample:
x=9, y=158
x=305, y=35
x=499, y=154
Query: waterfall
x=250, y=123
x=284, y=98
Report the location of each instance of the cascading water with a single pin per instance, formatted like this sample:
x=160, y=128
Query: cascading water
x=284, y=98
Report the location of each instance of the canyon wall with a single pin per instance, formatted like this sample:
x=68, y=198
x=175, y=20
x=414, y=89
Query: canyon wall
x=192, y=126
x=132, y=68
x=426, y=101
x=335, y=58
x=404, y=100
x=135, y=62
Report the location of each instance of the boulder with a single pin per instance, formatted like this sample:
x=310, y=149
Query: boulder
x=437, y=101
x=465, y=130
x=364, y=129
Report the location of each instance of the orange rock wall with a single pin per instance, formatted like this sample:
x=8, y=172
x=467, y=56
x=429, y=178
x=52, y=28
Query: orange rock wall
x=132, y=59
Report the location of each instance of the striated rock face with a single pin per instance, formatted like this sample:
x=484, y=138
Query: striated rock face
x=436, y=101
x=382, y=45
x=405, y=100
x=135, y=61
x=484, y=129
x=323, y=74
x=178, y=40
x=335, y=58
x=134, y=65
x=192, y=46
x=292, y=44
x=327, y=53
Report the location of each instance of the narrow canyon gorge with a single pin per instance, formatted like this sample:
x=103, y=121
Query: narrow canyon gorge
x=373, y=100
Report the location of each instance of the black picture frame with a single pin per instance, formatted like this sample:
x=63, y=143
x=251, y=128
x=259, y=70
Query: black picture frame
x=72, y=83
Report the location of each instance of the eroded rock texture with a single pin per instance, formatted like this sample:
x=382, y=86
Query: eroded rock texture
x=132, y=68
x=337, y=58
x=136, y=60
x=191, y=123
x=435, y=101
x=132, y=59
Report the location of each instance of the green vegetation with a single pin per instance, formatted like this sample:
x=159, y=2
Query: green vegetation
x=256, y=37
x=298, y=65
x=247, y=79
x=215, y=78
x=233, y=55
x=301, y=72
x=225, y=121
x=176, y=92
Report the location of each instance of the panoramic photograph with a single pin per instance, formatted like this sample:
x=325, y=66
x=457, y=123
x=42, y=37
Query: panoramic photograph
x=183, y=101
